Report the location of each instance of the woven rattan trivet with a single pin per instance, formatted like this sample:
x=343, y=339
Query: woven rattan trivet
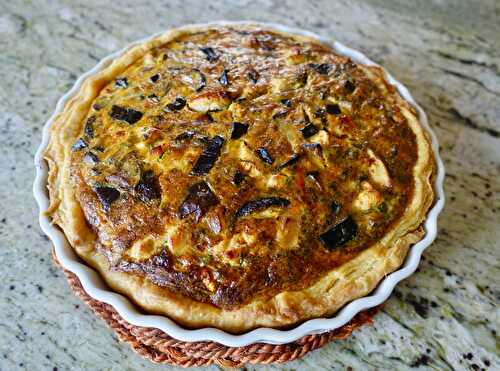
x=158, y=347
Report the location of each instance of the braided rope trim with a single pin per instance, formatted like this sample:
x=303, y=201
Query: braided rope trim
x=156, y=346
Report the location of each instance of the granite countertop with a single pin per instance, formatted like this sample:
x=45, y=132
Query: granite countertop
x=446, y=316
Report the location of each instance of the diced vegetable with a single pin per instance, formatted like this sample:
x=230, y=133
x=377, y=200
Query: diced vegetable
x=129, y=115
x=208, y=157
x=195, y=79
x=349, y=86
x=106, y=195
x=335, y=207
x=153, y=98
x=148, y=187
x=184, y=136
x=212, y=100
x=323, y=68
x=79, y=145
x=90, y=158
x=198, y=201
x=320, y=112
x=286, y=102
x=261, y=204
x=89, y=127
x=264, y=155
x=238, y=177
x=313, y=174
x=340, y=233
x=333, y=109
x=291, y=161
x=210, y=54
x=154, y=78
x=176, y=105
x=224, y=78
x=121, y=83
x=238, y=130
x=280, y=114
x=253, y=76
x=309, y=131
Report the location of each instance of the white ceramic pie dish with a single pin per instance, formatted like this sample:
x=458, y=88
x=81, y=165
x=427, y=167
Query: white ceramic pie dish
x=95, y=286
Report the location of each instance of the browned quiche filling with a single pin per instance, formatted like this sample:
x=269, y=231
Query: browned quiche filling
x=228, y=165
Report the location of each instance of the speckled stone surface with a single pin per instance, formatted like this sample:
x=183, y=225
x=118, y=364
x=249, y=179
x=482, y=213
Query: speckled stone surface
x=447, y=53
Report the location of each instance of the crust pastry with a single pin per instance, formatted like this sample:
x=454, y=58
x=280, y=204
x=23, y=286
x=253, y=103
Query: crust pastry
x=239, y=177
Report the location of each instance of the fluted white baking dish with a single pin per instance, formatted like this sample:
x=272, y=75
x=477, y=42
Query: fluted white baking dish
x=95, y=286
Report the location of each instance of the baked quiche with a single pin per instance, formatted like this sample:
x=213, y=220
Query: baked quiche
x=239, y=177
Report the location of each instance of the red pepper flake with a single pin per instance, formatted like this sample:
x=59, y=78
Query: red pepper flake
x=152, y=135
x=299, y=178
x=346, y=120
x=158, y=150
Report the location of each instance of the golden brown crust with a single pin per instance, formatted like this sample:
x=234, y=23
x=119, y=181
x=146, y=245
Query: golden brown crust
x=354, y=278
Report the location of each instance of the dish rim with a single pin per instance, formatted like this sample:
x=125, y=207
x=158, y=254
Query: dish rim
x=95, y=286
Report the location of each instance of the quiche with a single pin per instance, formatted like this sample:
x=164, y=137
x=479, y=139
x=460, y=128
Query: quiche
x=239, y=177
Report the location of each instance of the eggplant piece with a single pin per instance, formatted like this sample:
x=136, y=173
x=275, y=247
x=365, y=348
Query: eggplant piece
x=153, y=98
x=253, y=76
x=154, y=78
x=305, y=114
x=224, y=78
x=309, y=130
x=323, y=68
x=208, y=157
x=302, y=78
x=320, y=113
x=238, y=178
x=185, y=136
x=148, y=188
x=106, y=195
x=202, y=82
x=291, y=161
x=265, y=42
x=238, y=130
x=210, y=53
x=90, y=158
x=79, y=145
x=313, y=174
x=340, y=234
x=264, y=155
x=333, y=109
x=176, y=105
x=286, y=102
x=209, y=117
x=121, y=83
x=312, y=146
x=280, y=114
x=349, y=86
x=129, y=115
x=195, y=79
x=261, y=204
x=89, y=127
x=335, y=207
x=188, y=135
x=198, y=201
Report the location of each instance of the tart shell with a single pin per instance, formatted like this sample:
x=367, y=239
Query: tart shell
x=352, y=280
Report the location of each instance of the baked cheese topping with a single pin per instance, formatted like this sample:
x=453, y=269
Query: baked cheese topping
x=227, y=165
